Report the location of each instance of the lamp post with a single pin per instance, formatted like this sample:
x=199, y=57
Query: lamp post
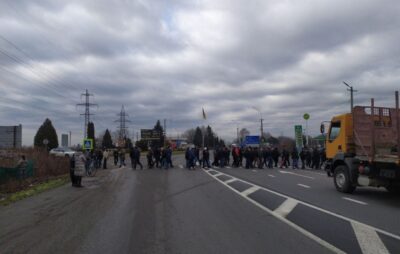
x=350, y=88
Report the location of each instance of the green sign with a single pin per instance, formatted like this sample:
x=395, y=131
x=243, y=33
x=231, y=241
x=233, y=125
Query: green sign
x=298, y=134
x=306, y=116
x=88, y=144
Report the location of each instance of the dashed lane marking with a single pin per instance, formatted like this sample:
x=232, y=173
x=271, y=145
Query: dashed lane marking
x=230, y=180
x=286, y=207
x=304, y=186
x=298, y=228
x=292, y=173
x=250, y=190
x=272, y=176
x=363, y=231
x=368, y=239
x=355, y=201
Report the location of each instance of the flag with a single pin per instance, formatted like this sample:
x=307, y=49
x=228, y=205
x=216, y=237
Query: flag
x=204, y=114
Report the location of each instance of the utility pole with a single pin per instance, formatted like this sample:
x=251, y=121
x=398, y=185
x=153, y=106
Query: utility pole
x=352, y=91
x=122, y=124
x=165, y=132
x=70, y=138
x=87, y=113
x=261, y=128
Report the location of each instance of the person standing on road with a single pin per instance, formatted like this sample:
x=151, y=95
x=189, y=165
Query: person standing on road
x=275, y=156
x=206, y=158
x=308, y=157
x=315, y=159
x=136, y=152
x=105, y=158
x=121, y=155
x=79, y=169
x=303, y=158
x=115, y=155
x=295, y=158
x=157, y=156
x=285, y=158
x=149, y=157
x=169, y=157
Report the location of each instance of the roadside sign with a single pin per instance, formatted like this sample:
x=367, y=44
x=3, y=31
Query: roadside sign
x=298, y=134
x=149, y=134
x=252, y=140
x=88, y=144
x=306, y=116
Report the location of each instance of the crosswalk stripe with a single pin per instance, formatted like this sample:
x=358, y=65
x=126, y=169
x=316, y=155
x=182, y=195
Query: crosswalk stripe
x=286, y=207
x=368, y=239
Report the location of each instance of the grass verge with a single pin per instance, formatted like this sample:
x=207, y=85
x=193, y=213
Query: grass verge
x=36, y=189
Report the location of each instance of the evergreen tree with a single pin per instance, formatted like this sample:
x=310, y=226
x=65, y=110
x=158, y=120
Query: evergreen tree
x=198, y=137
x=90, y=132
x=209, y=138
x=160, y=129
x=107, y=141
x=46, y=131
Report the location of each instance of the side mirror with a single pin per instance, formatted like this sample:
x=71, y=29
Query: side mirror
x=322, y=128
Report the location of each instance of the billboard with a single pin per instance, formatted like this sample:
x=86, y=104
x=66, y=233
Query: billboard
x=252, y=140
x=11, y=136
x=150, y=134
x=298, y=136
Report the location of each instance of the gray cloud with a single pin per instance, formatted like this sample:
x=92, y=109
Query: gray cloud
x=168, y=59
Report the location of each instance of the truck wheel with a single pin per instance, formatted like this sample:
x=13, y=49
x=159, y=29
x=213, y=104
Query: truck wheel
x=341, y=178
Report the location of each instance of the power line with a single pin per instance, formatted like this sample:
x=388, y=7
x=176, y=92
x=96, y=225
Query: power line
x=87, y=113
x=123, y=129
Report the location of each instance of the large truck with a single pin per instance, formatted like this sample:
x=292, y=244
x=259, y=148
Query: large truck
x=363, y=148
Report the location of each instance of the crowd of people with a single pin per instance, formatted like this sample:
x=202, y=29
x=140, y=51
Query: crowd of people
x=254, y=157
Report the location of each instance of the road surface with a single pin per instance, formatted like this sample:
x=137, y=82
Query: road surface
x=203, y=211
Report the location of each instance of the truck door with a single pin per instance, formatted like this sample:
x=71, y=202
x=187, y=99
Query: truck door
x=334, y=143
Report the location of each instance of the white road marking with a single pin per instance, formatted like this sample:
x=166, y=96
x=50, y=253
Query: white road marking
x=304, y=186
x=292, y=173
x=272, y=176
x=250, y=190
x=219, y=174
x=298, y=228
x=286, y=207
x=322, y=242
x=355, y=201
x=368, y=239
x=180, y=166
x=230, y=180
x=254, y=170
x=228, y=167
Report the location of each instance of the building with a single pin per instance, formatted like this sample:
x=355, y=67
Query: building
x=64, y=140
x=11, y=136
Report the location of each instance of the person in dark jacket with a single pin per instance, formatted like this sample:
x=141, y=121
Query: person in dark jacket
x=149, y=157
x=275, y=156
x=295, y=158
x=115, y=155
x=315, y=159
x=157, y=156
x=206, y=158
x=303, y=158
x=308, y=157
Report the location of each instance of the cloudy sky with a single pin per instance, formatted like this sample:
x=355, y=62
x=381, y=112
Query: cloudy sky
x=168, y=59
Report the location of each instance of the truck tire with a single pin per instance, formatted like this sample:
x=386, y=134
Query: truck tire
x=341, y=179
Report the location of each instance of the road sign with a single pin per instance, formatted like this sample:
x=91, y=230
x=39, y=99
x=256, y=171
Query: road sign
x=252, y=140
x=306, y=116
x=298, y=133
x=88, y=144
x=149, y=134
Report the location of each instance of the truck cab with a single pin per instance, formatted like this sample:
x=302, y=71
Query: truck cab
x=363, y=148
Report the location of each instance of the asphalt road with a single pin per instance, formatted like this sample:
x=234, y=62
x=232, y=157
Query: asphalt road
x=202, y=211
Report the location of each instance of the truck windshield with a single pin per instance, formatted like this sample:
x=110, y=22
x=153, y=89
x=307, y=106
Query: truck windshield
x=335, y=130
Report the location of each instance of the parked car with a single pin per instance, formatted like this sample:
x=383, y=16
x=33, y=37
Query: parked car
x=62, y=152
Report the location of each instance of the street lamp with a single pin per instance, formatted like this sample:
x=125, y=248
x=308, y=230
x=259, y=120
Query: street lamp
x=350, y=88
